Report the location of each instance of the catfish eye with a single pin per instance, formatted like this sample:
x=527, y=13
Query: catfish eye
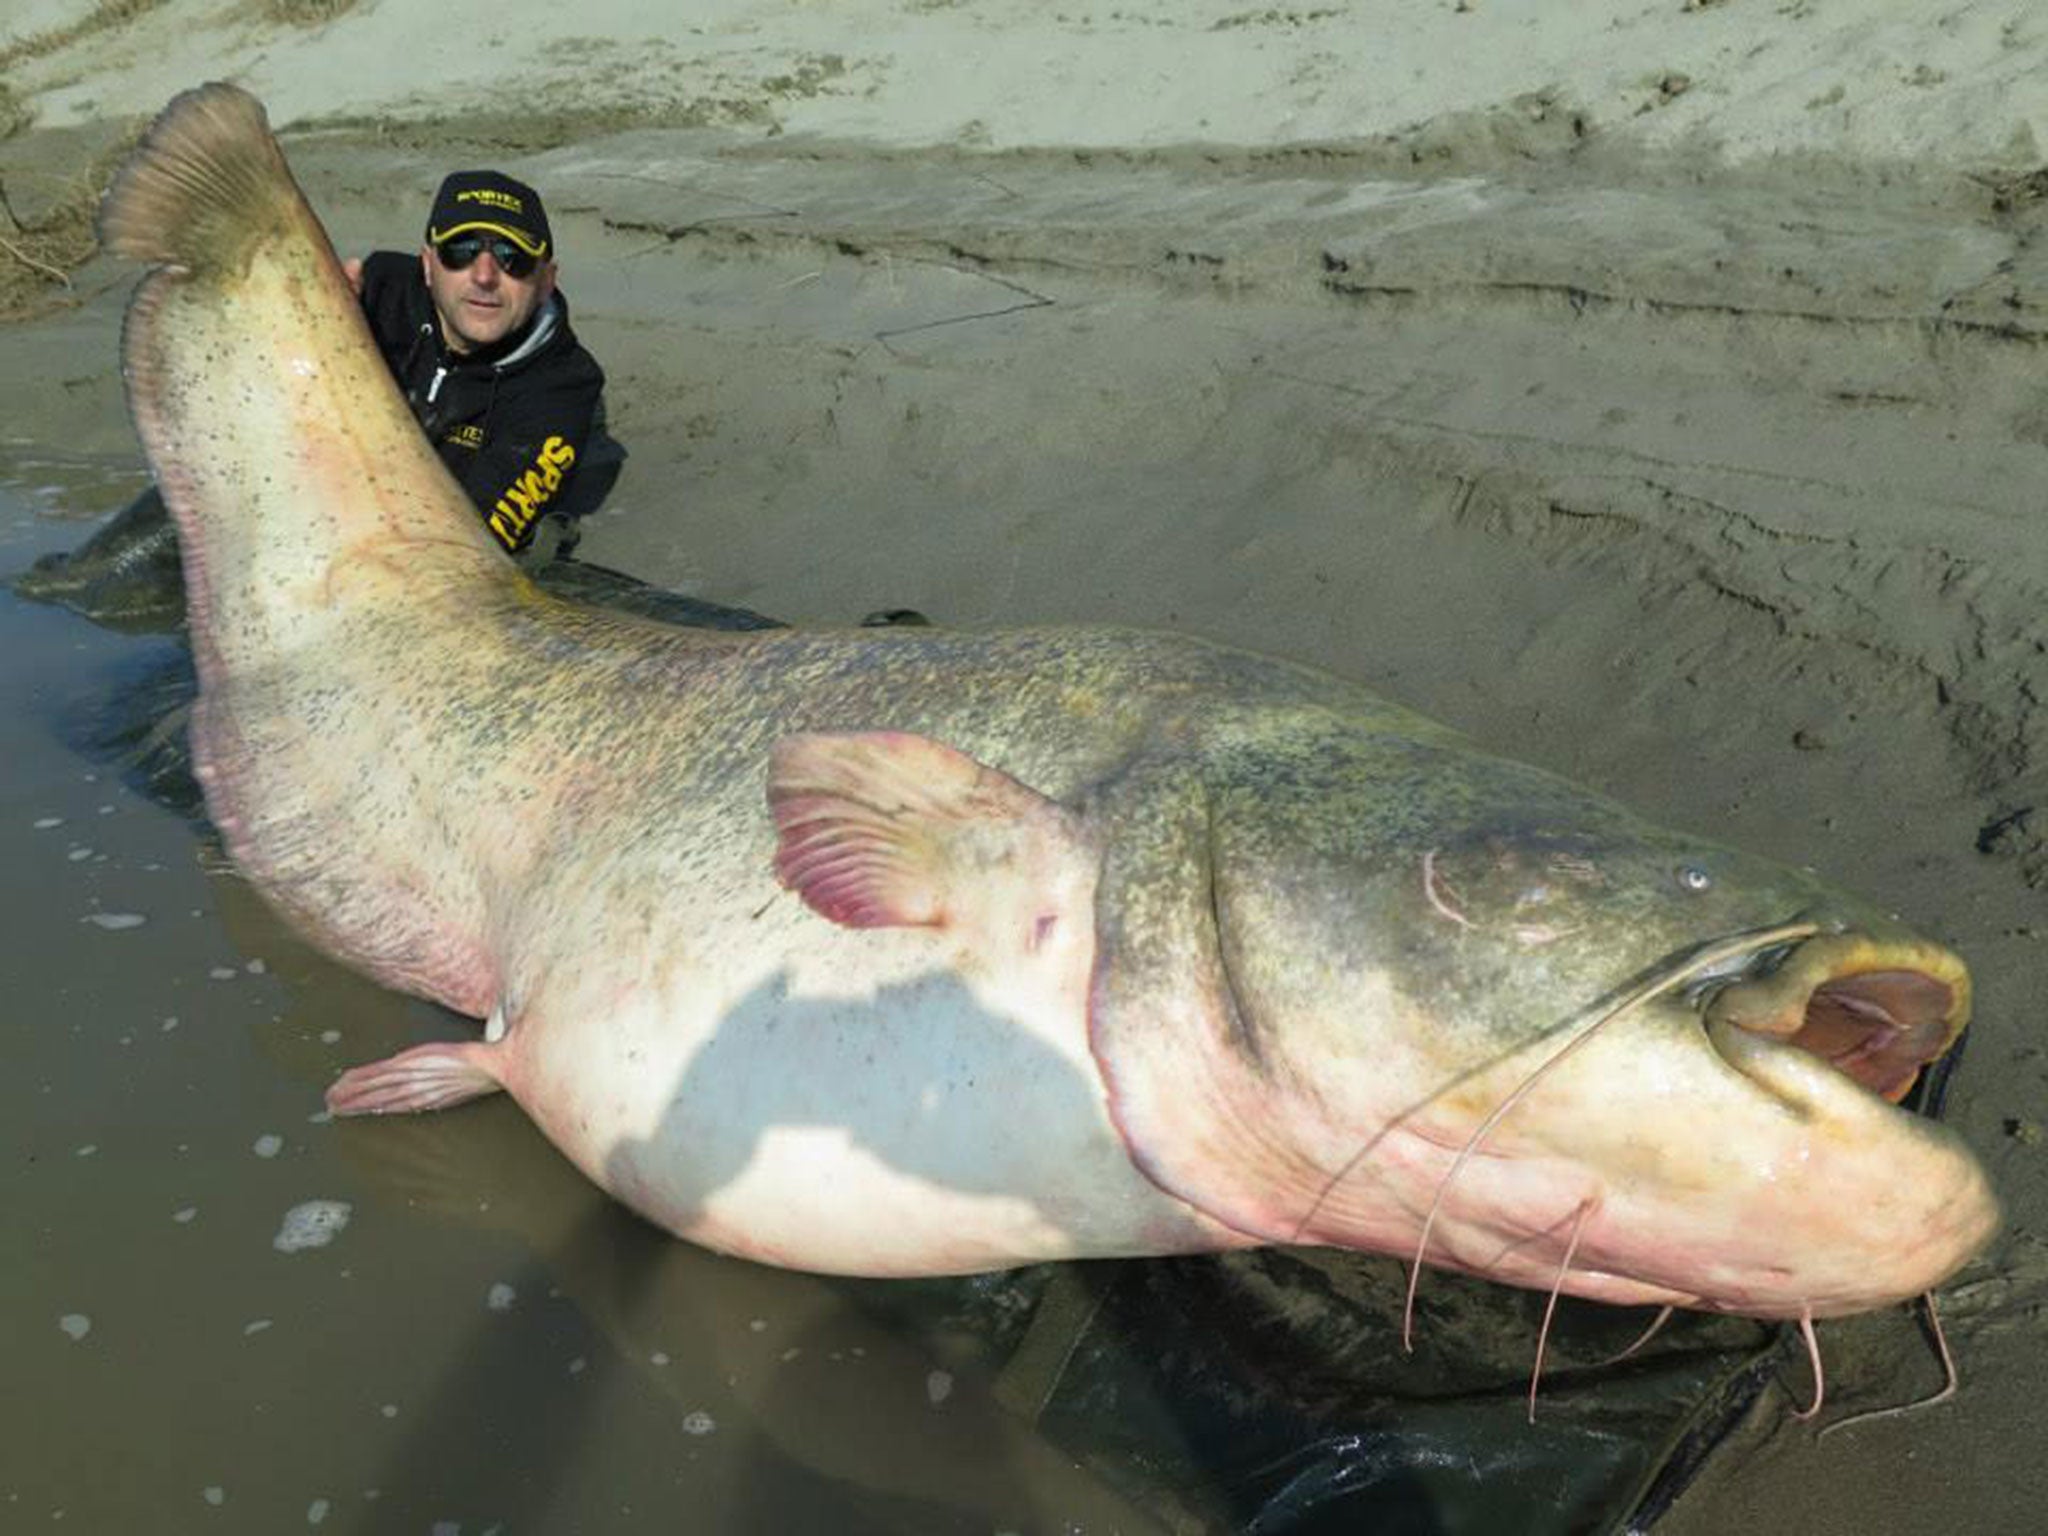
x=1694, y=878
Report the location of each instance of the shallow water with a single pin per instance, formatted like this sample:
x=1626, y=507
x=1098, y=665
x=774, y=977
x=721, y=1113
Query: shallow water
x=229, y=1313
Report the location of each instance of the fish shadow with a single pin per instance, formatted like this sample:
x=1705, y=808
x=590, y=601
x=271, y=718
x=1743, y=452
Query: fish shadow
x=973, y=1102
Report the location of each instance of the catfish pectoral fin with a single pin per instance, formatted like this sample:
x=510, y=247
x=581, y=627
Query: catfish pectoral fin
x=891, y=829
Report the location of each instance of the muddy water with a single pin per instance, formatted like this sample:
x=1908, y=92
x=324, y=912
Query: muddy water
x=225, y=1312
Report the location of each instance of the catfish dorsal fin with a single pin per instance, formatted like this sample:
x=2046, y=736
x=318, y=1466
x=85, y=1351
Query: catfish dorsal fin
x=885, y=829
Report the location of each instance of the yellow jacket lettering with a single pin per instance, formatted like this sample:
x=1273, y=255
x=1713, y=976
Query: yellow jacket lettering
x=526, y=497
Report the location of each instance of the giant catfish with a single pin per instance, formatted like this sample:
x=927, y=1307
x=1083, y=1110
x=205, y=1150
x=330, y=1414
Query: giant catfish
x=913, y=952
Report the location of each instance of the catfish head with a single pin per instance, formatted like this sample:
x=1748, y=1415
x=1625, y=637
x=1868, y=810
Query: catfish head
x=1365, y=986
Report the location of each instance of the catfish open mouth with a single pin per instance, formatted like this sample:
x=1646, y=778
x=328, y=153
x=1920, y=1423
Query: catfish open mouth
x=1875, y=1011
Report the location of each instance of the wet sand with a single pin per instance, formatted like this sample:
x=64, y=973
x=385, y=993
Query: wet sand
x=1698, y=457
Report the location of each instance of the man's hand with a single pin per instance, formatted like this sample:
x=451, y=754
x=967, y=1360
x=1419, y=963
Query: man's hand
x=352, y=269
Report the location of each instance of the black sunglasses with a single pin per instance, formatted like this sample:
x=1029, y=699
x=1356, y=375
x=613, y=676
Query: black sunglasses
x=458, y=251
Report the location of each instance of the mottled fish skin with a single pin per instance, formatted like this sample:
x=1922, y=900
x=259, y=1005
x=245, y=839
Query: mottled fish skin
x=916, y=951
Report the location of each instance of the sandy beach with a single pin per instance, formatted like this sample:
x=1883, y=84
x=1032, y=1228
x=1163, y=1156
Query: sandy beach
x=1651, y=389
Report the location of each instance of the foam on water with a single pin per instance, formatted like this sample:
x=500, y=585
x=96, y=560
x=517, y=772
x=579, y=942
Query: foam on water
x=311, y=1224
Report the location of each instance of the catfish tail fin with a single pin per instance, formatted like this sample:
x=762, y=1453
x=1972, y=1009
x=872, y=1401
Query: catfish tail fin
x=207, y=183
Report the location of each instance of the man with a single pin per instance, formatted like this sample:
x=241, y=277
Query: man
x=479, y=341
x=478, y=338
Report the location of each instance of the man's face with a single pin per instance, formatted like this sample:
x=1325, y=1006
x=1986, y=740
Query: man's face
x=482, y=303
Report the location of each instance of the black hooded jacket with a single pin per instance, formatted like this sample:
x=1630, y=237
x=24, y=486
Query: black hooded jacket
x=510, y=420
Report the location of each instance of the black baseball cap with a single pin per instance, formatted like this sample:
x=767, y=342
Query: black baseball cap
x=491, y=201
